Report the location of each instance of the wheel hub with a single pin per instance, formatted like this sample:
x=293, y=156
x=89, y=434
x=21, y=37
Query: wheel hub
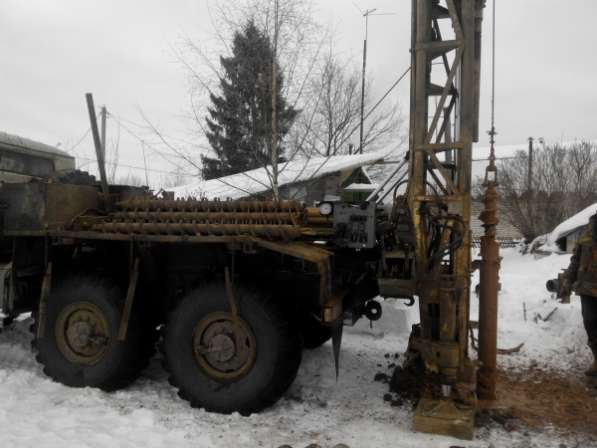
x=224, y=347
x=82, y=333
x=78, y=335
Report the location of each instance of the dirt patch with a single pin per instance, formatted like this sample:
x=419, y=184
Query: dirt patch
x=408, y=383
x=539, y=399
x=532, y=398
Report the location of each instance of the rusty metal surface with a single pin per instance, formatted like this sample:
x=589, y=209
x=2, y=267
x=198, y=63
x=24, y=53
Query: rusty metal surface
x=282, y=231
x=224, y=346
x=283, y=220
x=439, y=190
x=196, y=205
x=220, y=217
x=54, y=209
x=488, y=295
x=82, y=333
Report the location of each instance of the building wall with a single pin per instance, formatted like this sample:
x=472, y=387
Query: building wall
x=567, y=243
x=328, y=187
x=314, y=190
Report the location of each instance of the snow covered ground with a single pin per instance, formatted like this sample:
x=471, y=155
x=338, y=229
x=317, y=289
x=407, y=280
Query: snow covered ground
x=36, y=412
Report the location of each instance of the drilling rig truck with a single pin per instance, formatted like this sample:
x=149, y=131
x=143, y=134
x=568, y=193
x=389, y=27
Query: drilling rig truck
x=231, y=291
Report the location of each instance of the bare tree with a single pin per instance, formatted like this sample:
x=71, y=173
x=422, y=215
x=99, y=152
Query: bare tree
x=176, y=179
x=338, y=110
x=316, y=84
x=296, y=41
x=337, y=113
x=564, y=181
x=131, y=179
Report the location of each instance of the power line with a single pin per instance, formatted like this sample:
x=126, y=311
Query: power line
x=85, y=134
x=120, y=119
x=400, y=78
x=149, y=145
x=91, y=160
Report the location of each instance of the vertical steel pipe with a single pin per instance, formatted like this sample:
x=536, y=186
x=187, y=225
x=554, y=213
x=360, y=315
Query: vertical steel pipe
x=490, y=266
x=488, y=297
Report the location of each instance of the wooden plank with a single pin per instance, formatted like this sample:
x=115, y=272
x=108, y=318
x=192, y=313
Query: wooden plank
x=437, y=416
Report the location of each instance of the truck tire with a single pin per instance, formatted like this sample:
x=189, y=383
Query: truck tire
x=314, y=333
x=79, y=346
x=225, y=365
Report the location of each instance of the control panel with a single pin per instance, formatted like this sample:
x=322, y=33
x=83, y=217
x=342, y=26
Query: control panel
x=354, y=224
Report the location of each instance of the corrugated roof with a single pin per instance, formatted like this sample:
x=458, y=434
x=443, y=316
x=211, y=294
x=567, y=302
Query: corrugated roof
x=16, y=142
x=257, y=181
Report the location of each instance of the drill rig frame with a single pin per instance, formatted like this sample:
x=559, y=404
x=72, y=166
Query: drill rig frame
x=439, y=200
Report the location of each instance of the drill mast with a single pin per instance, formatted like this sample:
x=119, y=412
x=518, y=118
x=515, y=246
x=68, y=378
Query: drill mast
x=444, y=118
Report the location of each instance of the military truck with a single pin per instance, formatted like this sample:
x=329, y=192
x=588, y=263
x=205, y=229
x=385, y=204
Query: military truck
x=232, y=291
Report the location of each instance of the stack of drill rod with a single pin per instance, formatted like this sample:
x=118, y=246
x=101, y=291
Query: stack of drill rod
x=152, y=216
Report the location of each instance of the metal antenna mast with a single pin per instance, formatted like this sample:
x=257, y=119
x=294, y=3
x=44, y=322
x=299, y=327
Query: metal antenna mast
x=366, y=14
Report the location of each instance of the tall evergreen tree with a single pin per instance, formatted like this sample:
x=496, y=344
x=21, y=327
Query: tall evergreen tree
x=239, y=122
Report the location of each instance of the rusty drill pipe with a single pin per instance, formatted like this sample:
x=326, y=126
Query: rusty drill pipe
x=488, y=297
x=266, y=231
x=214, y=217
x=194, y=205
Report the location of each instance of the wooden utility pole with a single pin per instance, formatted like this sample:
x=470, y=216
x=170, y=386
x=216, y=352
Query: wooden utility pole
x=101, y=163
x=103, y=114
x=366, y=14
x=145, y=163
x=530, y=170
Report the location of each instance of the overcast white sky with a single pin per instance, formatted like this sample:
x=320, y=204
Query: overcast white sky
x=52, y=52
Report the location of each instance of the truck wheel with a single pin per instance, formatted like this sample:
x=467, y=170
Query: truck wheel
x=79, y=346
x=314, y=333
x=226, y=365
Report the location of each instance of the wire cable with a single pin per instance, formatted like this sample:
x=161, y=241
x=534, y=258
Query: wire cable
x=85, y=134
x=492, y=133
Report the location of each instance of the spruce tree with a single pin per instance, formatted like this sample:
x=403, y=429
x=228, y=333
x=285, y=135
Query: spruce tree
x=239, y=121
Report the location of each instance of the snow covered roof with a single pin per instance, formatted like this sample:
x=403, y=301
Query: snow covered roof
x=253, y=182
x=361, y=187
x=16, y=142
x=581, y=219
